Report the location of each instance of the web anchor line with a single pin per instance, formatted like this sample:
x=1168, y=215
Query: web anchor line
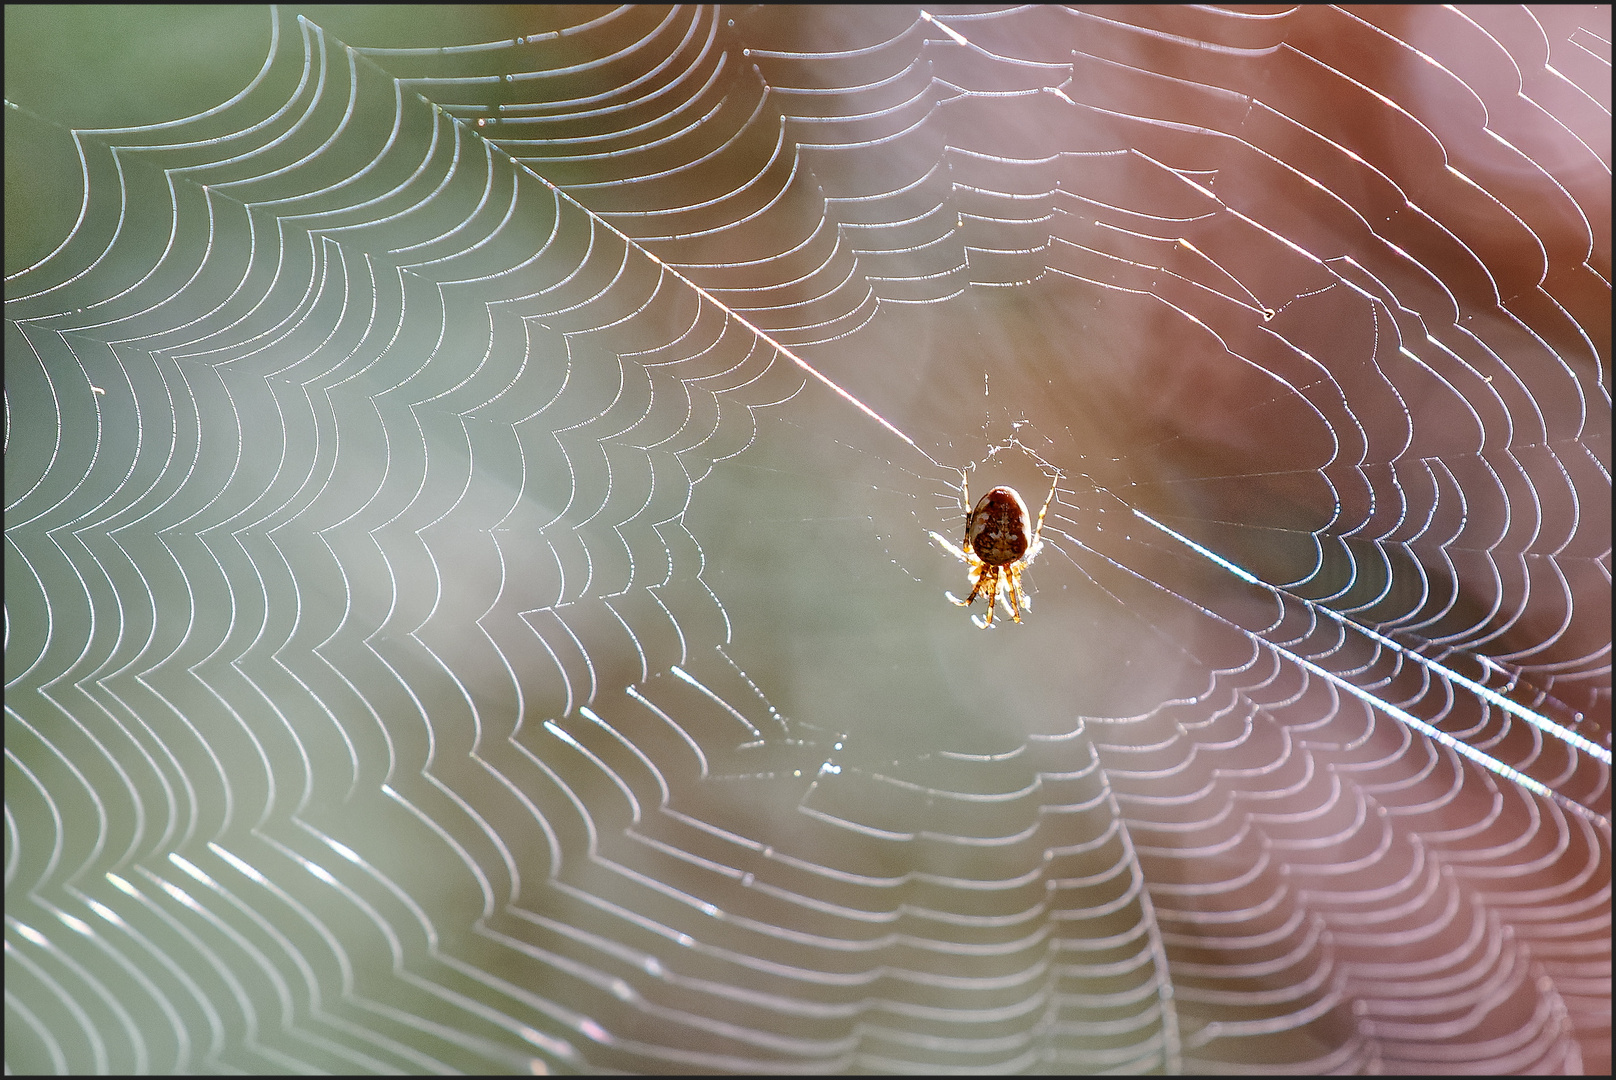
x=1442, y=671
x=757, y=331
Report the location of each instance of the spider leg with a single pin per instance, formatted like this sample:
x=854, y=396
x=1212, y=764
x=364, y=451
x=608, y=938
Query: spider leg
x=969, y=600
x=1012, y=577
x=949, y=546
x=1038, y=530
x=970, y=512
x=983, y=572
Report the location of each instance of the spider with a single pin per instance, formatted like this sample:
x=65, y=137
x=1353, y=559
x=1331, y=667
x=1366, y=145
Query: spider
x=999, y=546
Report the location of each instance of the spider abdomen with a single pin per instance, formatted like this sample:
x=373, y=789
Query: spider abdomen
x=1000, y=529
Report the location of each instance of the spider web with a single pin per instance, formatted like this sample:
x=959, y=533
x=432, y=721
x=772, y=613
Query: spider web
x=470, y=603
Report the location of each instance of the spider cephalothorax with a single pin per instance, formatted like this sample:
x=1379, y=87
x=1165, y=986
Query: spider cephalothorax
x=1001, y=541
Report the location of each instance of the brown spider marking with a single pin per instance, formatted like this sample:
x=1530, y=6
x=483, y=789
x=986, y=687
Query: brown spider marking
x=999, y=531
